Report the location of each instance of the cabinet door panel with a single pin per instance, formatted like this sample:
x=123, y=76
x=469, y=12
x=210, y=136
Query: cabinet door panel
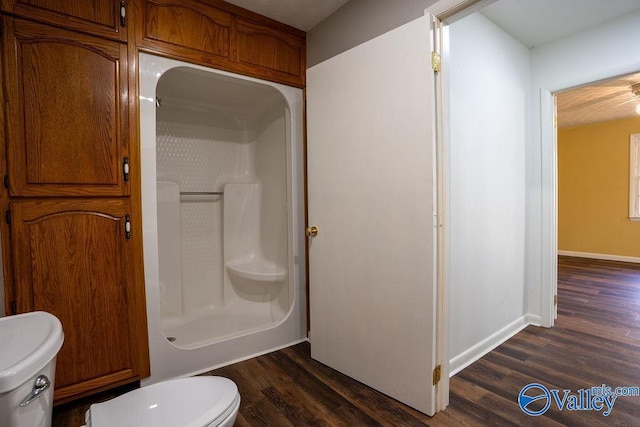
x=71, y=259
x=188, y=24
x=69, y=116
x=99, y=17
x=271, y=51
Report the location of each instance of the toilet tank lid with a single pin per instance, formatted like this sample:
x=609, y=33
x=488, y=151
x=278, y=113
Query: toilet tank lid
x=29, y=342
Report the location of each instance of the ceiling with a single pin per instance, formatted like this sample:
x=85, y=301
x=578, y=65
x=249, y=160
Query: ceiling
x=301, y=14
x=533, y=22
x=599, y=102
x=536, y=22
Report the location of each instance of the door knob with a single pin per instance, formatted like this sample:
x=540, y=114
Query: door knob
x=312, y=231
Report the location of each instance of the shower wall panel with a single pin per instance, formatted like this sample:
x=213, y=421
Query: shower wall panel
x=202, y=159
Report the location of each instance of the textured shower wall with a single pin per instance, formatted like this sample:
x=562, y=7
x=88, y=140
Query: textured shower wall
x=271, y=171
x=201, y=158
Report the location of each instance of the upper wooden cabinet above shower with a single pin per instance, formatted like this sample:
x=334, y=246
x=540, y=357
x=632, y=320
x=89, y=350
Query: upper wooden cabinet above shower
x=218, y=34
x=104, y=18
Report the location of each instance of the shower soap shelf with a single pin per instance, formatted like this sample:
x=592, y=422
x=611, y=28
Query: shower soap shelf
x=257, y=270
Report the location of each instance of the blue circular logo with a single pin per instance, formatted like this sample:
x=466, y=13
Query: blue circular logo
x=532, y=393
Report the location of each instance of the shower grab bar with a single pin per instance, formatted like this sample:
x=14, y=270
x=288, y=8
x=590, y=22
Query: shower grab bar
x=202, y=193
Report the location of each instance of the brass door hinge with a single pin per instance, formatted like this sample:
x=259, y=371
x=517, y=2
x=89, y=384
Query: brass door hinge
x=555, y=299
x=437, y=374
x=436, y=62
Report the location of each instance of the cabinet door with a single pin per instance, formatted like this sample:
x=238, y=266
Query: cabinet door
x=104, y=18
x=264, y=51
x=72, y=259
x=67, y=107
x=187, y=29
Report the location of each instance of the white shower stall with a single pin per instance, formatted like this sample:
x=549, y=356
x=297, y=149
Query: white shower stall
x=222, y=212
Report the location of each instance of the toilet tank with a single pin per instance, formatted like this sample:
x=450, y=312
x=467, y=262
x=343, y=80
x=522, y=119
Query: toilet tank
x=29, y=344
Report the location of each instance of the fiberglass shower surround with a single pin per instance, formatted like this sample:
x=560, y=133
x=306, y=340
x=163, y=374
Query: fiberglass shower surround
x=221, y=158
x=221, y=197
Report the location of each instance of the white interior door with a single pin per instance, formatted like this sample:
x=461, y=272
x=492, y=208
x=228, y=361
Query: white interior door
x=371, y=195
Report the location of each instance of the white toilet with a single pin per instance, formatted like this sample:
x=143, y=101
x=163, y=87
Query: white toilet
x=184, y=402
x=29, y=344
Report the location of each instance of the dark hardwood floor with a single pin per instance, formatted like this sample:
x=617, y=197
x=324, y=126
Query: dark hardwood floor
x=596, y=341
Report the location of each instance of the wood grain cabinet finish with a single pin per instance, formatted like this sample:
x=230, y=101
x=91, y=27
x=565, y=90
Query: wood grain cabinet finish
x=274, y=54
x=187, y=28
x=67, y=112
x=104, y=18
x=72, y=258
x=215, y=33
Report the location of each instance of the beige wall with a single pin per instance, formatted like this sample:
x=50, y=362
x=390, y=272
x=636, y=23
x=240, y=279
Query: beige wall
x=357, y=22
x=593, y=189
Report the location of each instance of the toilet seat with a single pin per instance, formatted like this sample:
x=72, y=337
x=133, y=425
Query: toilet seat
x=184, y=402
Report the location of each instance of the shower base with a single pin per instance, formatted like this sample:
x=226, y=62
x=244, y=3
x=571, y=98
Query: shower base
x=219, y=326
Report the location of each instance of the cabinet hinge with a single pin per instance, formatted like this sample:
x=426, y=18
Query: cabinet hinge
x=437, y=374
x=7, y=216
x=127, y=227
x=123, y=14
x=125, y=168
x=436, y=62
x=6, y=181
x=14, y=307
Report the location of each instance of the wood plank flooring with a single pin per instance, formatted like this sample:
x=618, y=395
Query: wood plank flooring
x=596, y=341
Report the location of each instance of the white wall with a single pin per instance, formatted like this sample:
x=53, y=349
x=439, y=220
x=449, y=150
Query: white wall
x=357, y=22
x=489, y=81
x=608, y=50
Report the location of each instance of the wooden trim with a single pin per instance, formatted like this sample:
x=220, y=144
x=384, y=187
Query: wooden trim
x=139, y=314
x=5, y=229
x=86, y=388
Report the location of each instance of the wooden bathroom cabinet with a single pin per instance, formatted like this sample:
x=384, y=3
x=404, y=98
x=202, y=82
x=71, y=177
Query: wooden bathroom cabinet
x=72, y=258
x=72, y=232
x=220, y=35
x=104, y=18
x=67, y=112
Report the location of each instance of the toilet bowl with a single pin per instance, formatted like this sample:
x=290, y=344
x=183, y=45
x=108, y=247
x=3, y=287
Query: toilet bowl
x=185, y=402
x=30, y=344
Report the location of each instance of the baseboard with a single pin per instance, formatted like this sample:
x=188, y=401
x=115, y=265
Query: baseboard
x=607, y=257
x=533, y=320
x=469, y=356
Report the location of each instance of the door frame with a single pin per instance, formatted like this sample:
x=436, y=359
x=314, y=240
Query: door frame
x=443, y=13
